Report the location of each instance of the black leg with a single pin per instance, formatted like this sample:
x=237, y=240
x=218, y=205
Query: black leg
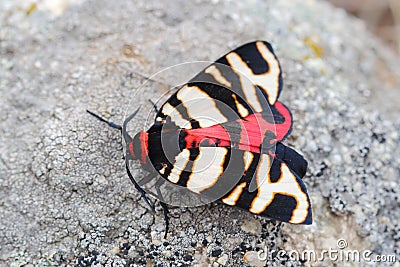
x=158, y=184
x=166, y=218
x=137, y=186
x=111, y=124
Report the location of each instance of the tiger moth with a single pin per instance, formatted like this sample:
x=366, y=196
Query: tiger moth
x=228, y=112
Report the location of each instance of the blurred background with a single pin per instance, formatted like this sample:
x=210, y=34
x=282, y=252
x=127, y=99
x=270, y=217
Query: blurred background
x=382, y=17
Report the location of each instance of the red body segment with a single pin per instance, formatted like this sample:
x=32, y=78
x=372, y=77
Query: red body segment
x=139, y=147
x=253, y=129
x=144, y=144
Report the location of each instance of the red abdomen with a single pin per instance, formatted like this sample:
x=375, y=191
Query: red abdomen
x=248, y=133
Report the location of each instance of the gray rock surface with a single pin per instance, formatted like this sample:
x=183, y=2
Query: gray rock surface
x=65, y=198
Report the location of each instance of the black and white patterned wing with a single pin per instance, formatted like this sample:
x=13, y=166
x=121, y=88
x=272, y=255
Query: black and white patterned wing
x=246, y=80
x=225, y=174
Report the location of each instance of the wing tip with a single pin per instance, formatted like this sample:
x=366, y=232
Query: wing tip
x=309, y=219
x=268, y=44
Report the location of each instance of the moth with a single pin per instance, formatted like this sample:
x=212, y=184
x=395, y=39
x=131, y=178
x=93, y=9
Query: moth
x=220, y=135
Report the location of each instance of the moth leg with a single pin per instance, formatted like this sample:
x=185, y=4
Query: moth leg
x=158, y=184
x=166, y=218
x=137, y=186
x=154, y=105
x=109, y=123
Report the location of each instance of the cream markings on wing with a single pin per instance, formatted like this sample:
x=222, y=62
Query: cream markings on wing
x=286, y=185
x=207, y=168
x=175, y=116
x=179, y=166
x=244, y=73
x=214, y=71
x=234, y=196
x=268, y=81
x=200, y=106
x=162, y=170
x=265, y=193
x=300, y=213
x=241, y=109
x=247, y=158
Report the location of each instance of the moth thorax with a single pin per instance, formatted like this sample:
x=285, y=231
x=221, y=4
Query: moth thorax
x=138, y=148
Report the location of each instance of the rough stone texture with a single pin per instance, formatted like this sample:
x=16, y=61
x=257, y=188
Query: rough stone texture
x=64, y=195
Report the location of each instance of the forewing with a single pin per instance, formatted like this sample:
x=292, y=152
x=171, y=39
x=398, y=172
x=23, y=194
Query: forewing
x=226, y=174
x=247, y=80
x=210, y=171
